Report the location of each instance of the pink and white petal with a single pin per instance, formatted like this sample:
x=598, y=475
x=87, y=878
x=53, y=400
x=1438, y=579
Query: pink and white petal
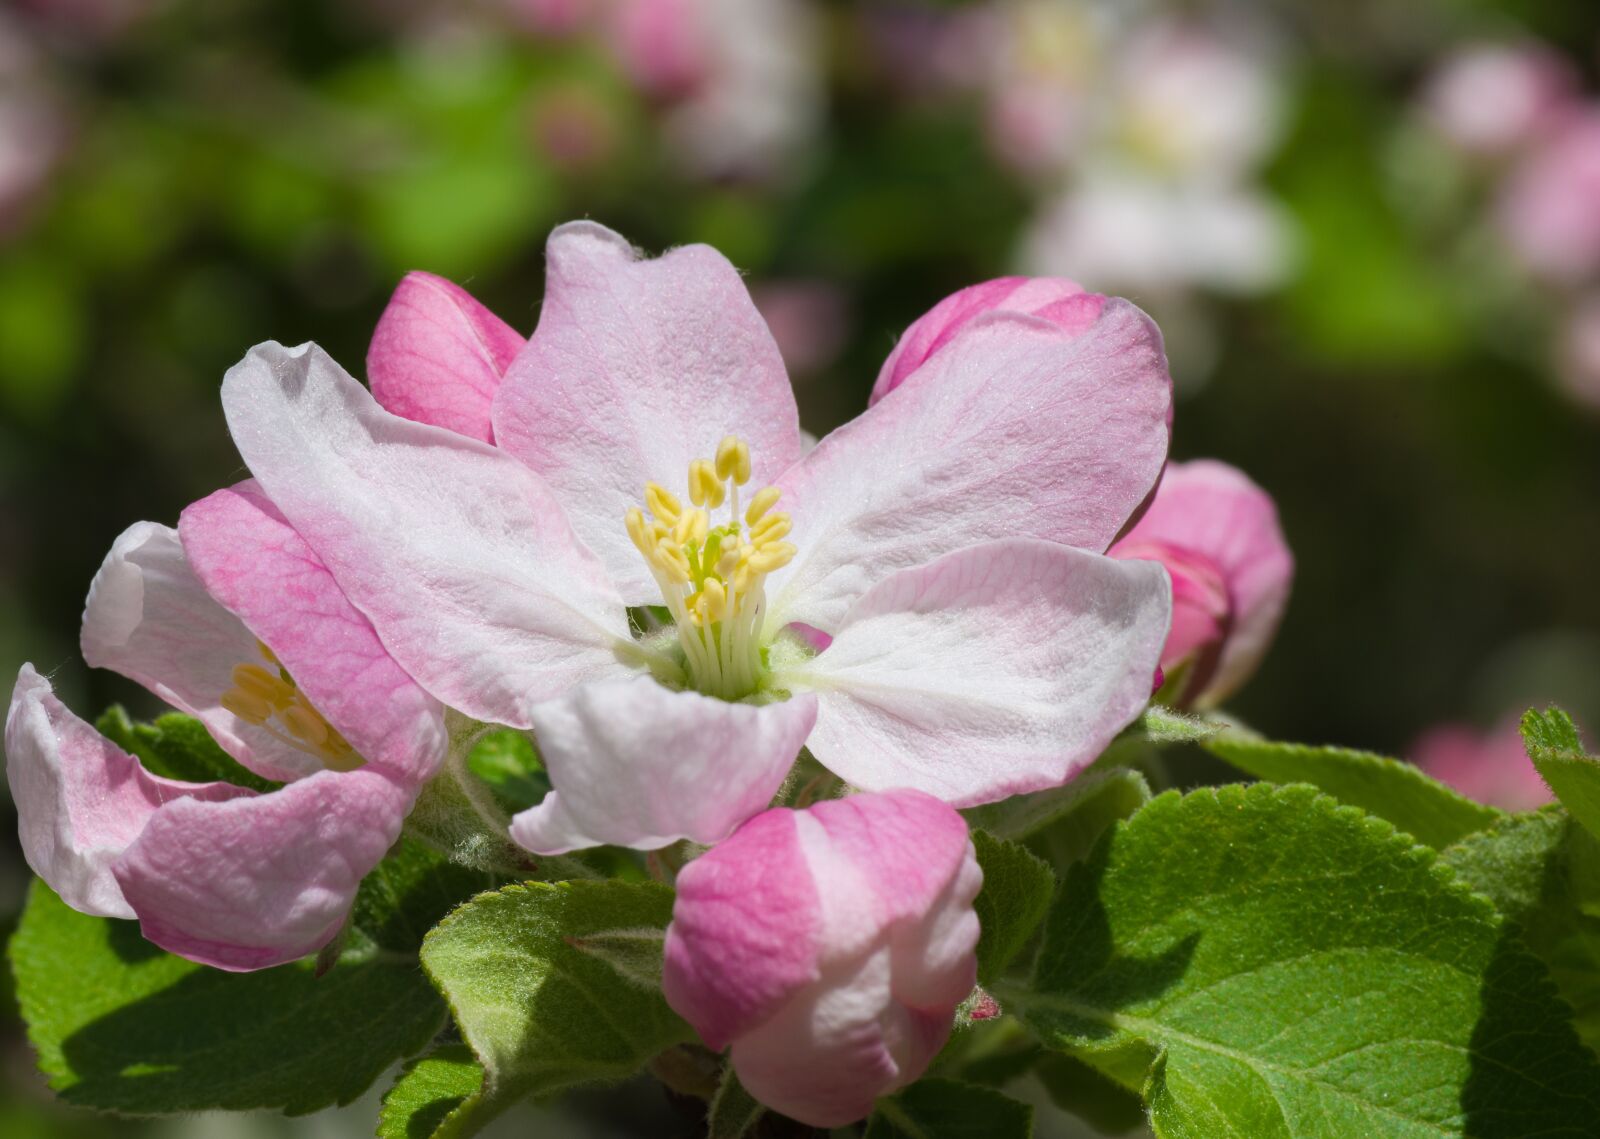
x=1056, y=299
x=149, y=618
x=256, y=882
x=251, y=560
x=746, y=930
x=996, y=670
x=636, y=764
x=637, y=367
x=80, y=799
x=438, y=356
x=458, y=555
x=1015, y=428
x=1216, y=510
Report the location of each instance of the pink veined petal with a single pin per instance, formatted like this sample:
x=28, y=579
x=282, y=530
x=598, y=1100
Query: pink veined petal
x=252, y=561
x=1215, y=511
x=149, y=618
x=849, y=990
x=1015, y=428
x=635, y=764
x=457, y=554
x=80, y=799
x=745, y=930
x=1056, y=299
x=259, y=881
x=637, y=367
x=438, y=356
x=993, y=671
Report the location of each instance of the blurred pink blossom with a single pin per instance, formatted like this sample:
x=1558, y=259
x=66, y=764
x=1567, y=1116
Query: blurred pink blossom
x=1550, y=208
x=1579, y=361
x=810, y=320
x=1491, y=99
x=1491, y=766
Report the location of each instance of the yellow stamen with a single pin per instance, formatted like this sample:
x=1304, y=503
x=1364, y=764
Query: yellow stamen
x=257, y=681
x=691, y=527
x=771, y=557
x=770, y=529
x=705, y=488
x=765, y=500
x=249, y=707
x=662, y=503
x=304, y=724
x=733, y=460
x=260, y=696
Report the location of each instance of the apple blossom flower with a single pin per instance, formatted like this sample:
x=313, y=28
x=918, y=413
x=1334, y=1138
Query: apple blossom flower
x=1491, y=99
x=829, y=948
x=949, y=542
x=1217, y=534
x=1492, y=767
x=232, y=619
x=1549, y=212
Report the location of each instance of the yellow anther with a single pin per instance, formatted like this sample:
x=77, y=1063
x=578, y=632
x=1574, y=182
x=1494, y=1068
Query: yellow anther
x=705, y=488
x=765, y=499
x=671, y=560
x=691, y=527
x=727, y=563
x=712, y=601
x=733, y=460
x=249, y=707
x=770, y=529
x=305, y=724
x=640, y=531
x=257, y=681
x=662, y=502
x=772, y=556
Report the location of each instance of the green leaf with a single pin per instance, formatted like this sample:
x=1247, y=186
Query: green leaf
x=122, y=1026
x=177, y=747
x=540, y=1013
x=508, y=762
x=1023, y=815
x=1076, y=1087
x=1072, y=836
x=1015, y=895
x=1392, y=790
x=1298, y=969
x=1542, y=870
x=734, y=1111
x=948, y=1109
x=1557, y=751
x=424, y=1102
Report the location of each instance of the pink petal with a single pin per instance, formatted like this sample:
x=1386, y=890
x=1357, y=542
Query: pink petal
x=149, y=618
x=259, y=881
x=1214, y=511
x=831, y=947
x=252, y=561
x=456, y=553
x=1492, y=767
x=1056, y=299
x=636, y=764
x=80, y=799
x=437, y=356
x=1015, y=428
x=637, y=367
x=993, y=671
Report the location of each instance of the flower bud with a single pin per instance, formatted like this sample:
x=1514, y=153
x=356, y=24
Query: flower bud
x=1217, y=534
x=1054, y=299
x=830, y=947
x=1492, y=767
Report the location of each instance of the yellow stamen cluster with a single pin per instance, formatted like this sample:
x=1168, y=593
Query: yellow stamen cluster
x=712, y=577
x=267, y=697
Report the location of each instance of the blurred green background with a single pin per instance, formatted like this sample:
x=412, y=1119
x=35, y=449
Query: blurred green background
x=179, y=180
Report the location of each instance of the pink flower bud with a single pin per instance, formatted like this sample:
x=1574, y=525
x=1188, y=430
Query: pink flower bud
x=1217, y=534
x=1491, y=767
x=830, y=948
x=662, y=45
x=1055, y=299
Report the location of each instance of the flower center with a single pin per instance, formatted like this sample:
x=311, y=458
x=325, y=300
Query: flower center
x=269, y=699
x=713, y=577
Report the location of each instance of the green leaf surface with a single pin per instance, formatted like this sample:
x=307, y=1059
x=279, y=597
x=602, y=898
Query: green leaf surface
x=1076, y=1087
x=1024, y=815
x=1510, y=862
x=1557, y=751
x=949, y=1109
x=122, y=1026
x=734, y=1112
x=539, y=1013
x=424, y=1102
x=1387, y=788
x=177, y=747
x=1299, y=969
x=1015, y=895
